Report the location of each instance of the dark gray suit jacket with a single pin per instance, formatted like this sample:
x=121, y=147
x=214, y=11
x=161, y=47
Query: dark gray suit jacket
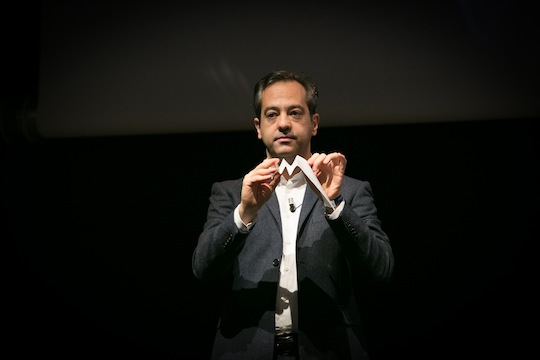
x=331, y=254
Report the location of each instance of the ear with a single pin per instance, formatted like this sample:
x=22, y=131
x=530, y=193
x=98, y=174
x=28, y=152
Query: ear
x=257, y=124
x=315, y=124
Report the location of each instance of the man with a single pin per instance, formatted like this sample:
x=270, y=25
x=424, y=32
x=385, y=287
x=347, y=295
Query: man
x=291, y=258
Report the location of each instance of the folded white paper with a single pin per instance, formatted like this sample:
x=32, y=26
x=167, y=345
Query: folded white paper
x=302, y=163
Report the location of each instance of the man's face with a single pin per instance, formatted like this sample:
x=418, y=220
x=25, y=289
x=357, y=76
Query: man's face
x=285, y=126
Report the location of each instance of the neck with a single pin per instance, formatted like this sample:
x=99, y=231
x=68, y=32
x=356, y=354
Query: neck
x=291, y=158
x=286, y=175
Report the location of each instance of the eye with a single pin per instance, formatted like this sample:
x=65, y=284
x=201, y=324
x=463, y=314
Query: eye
x=271, y=115
x=296, y=113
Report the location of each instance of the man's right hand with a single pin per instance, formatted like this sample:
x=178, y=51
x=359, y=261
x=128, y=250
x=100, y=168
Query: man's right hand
x=257, y=187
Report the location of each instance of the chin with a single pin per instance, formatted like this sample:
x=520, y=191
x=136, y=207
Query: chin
x=288, y=154
x=283, y=151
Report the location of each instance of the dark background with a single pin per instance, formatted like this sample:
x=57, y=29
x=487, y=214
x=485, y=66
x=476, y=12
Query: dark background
x=98, y=232
x=160, y=66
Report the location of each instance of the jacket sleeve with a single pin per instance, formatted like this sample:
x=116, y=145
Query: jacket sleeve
x=220, y=241
x=360, y=233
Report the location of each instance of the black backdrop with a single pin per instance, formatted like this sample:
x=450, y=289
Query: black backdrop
x=97, y=233
x=97, y=238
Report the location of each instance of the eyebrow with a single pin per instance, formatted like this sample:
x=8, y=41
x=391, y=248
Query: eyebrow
x=296, y=106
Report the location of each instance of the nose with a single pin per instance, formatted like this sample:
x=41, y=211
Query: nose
x=284, y=125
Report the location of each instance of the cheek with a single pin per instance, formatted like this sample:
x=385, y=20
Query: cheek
x=264, y=133
x=261, y=132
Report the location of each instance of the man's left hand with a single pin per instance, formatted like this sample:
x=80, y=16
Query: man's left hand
x=329, y=169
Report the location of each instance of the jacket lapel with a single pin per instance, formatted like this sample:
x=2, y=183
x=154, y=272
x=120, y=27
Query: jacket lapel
x=310, y=199
x=273, y=207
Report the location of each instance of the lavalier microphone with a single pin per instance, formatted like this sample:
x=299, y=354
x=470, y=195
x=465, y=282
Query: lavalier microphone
x=291, y=205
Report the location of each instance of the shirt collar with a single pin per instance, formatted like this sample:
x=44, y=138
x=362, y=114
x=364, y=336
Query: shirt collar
x=296, y=180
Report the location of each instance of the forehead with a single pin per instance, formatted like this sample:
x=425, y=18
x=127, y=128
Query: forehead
x=284, y=92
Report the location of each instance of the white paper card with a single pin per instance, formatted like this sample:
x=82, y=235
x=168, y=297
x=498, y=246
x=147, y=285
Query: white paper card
x=302, y=163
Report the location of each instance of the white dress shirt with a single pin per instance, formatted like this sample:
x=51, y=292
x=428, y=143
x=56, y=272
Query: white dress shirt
x=289, y=192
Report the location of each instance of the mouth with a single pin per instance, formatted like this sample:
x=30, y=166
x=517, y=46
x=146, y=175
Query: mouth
x=284, y=139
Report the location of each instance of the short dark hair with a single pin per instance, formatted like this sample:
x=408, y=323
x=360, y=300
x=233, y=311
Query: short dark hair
x=312, y=93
